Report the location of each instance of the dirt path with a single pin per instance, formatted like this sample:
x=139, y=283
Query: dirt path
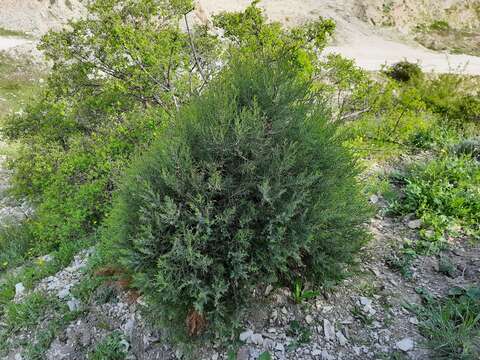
x=370, y=47
x=7, y=43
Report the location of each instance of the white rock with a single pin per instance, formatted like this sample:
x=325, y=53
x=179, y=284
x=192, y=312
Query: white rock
x=357, y=350
x=73, y=304
x=414, y=224
x=256, y=339
x=280, y=347
x=64, y=293
x=129, y=325
x=19, y=289
x=316, y=352
x=365, y=301
x=246, y=335
x=326, y=356
x=328, y=330
x=215, y=356
x=342, y=340
x=268, y=290
x=308, y=319
x=374, y=199
x=18, y=357
x=413, y=320
x=405, y=344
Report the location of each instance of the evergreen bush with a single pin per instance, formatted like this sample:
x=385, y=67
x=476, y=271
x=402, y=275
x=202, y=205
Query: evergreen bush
x=249, y=185
x=404, y=71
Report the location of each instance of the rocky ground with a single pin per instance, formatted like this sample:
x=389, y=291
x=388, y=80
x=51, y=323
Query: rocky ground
x=368, y=316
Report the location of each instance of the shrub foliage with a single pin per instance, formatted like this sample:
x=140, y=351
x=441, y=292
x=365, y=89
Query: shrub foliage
x=250, y=186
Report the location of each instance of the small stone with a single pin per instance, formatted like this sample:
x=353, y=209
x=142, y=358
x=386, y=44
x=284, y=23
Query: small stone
x=279, y=347
x=413, y=320
x=129, y=327
x=246, y=335
x=374, y=199
x=328, y=329
x=357, y=350
x=365, y=301
x=64, y=293
x=308, y=319
x=342, y=340
x=316, y=352
x=18, y=357
x=19, y=289
x=243, y=353
x=405, y=344
x=215, y=356
x=326, y=356
x=257, y=339
x=268, y=290
x=414, y=224
x=73, y=304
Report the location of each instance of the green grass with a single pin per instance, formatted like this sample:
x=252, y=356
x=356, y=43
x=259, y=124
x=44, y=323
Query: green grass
x=19, y=82
x=26, y=313
x=43, y=338
x=8, y=32
x=110, y=348
x=43, y=316
x=34, y=271
x=452, y=325
x=15, y=243
x=445, y=194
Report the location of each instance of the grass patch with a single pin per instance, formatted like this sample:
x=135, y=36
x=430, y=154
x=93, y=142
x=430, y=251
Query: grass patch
x=15, y=243
x=440, y=36
x=44, y=337
x=31, y=315
x=19, y=82
x=26, y=313
x=110, y=348
x=445, y=194
x=452, y=324
x=34, y=271
x=8, y=32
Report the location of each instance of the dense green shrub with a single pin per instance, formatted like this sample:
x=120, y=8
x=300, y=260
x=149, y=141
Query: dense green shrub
x=404, y=71
x=445, y=194
x=453, y=97
x=250, y=186
x=117, y=75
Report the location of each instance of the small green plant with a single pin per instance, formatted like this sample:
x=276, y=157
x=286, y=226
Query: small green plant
x=440, y=25
x=300, y=294
x=265, y=356
x=452, y=324
x=446, y=267
x=360, y=315
x=111, y=347
x=300, y=335
x=402, y=261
